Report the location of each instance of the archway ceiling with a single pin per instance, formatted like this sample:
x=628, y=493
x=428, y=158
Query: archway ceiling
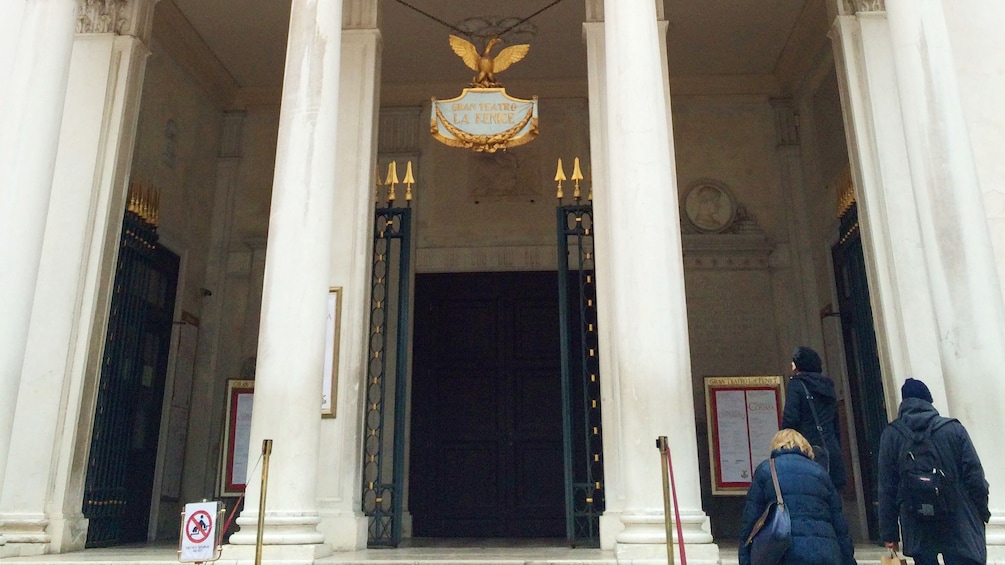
x=726, y=45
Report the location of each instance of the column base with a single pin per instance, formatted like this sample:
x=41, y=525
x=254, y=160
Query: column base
x=290, y=535
x=610, y=526
x=24, y=534
x=643, y=541
x=343, y=531
x=67, y=533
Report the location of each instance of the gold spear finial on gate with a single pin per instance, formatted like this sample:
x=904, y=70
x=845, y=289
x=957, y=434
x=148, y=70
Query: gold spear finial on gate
x=409, y=181
x=559, y=177
x=577, y=175
x=392, y=179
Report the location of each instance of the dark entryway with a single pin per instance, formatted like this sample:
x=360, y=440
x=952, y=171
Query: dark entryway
x=120, y=470
x=865, y=381
x=486, y=435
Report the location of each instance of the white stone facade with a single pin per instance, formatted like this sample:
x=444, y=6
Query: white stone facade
x=267, y=199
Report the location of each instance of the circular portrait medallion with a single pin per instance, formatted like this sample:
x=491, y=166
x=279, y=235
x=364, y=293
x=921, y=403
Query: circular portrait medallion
x=710, y=208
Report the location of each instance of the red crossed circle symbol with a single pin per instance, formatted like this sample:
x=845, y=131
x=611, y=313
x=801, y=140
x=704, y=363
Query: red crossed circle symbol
x=196, y=531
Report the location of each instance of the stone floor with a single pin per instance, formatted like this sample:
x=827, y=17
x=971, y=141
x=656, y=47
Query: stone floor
x=414, y=552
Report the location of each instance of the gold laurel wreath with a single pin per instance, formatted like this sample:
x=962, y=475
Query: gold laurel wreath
x=483, y=143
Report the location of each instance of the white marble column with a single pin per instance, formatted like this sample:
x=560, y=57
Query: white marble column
x=654, y=388
x=340, y=464
x=291, y=343
x=40, y=510
x=975, y=30
x=29, y=132
x=906, y=331
x=961, y=268
x=10, y=28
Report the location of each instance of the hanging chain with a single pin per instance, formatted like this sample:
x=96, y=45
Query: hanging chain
x=468, y=33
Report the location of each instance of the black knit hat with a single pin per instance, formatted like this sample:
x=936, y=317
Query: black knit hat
x=807, y=360
x=913, y=388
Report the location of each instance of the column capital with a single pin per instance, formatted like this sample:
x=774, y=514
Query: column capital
x=359, y=14
x=864, y=6
x=119, y=17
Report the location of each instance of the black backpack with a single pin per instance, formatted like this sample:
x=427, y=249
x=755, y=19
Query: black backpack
x=926, y=491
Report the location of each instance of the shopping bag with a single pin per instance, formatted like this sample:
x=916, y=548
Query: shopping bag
x=892, y=559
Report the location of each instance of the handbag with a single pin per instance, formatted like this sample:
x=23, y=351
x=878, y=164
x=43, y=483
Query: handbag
x=892, y=559
x=820, y=453
x=772, y=532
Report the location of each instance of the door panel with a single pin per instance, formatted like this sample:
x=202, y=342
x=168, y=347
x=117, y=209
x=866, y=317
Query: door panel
x=486, y=407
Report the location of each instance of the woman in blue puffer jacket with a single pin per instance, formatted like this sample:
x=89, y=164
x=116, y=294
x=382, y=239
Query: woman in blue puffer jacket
x=819, y=529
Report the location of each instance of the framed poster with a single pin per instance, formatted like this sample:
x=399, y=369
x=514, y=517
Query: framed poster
x=236, y=437
x=743, y=414
x=329, y=381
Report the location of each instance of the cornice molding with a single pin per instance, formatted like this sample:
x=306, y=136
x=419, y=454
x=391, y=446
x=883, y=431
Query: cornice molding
x=729, y=252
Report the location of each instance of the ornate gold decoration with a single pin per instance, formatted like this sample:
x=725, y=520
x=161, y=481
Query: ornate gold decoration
x=484, y=118
x=144, y=202
x=484, y=143
x=391, y=181
x=845, y=192
x=484, y=64
x=559, y=177
x=577, y=175
x=101, y=16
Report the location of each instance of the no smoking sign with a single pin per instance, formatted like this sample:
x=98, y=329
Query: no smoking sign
x=199, y=539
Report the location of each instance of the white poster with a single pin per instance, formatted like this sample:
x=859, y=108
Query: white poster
x=734, y=449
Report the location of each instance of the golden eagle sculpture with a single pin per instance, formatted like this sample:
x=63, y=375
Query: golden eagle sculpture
x=486, y=65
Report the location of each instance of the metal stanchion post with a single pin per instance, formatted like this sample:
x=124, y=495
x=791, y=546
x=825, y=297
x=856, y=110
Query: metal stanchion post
x=266, y=453
x=661, y=443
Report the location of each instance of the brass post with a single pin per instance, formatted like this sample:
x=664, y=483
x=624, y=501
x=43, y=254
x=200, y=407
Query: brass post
x=266, y=453
x=661, y=443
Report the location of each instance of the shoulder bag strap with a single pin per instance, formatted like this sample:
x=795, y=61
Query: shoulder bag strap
x=774, y=479
x=764, y=515
x=813, y=410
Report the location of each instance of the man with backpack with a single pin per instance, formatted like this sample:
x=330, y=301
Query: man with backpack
x=931, y=477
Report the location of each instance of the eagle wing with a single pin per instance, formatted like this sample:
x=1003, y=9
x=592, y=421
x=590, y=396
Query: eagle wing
x=466, y=51
x=508, y=56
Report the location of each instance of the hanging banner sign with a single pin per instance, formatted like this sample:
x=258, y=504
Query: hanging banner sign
x=484, y=120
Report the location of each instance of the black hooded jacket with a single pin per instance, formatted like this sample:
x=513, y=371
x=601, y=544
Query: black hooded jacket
x=798, y=416
x=964, y=532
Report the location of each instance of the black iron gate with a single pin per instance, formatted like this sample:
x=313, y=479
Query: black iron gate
x=584, y=466
x=864, y=377
x=383, y=476
x=127, y=416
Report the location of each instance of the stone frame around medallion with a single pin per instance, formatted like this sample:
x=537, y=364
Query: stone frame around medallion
x=709, y=206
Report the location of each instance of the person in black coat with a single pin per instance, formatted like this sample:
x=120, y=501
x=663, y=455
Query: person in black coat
x=798, y=415
x=960, y=537
x=819, y=529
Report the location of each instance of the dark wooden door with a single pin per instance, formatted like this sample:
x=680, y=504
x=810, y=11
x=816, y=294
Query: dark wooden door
x=486, y=436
